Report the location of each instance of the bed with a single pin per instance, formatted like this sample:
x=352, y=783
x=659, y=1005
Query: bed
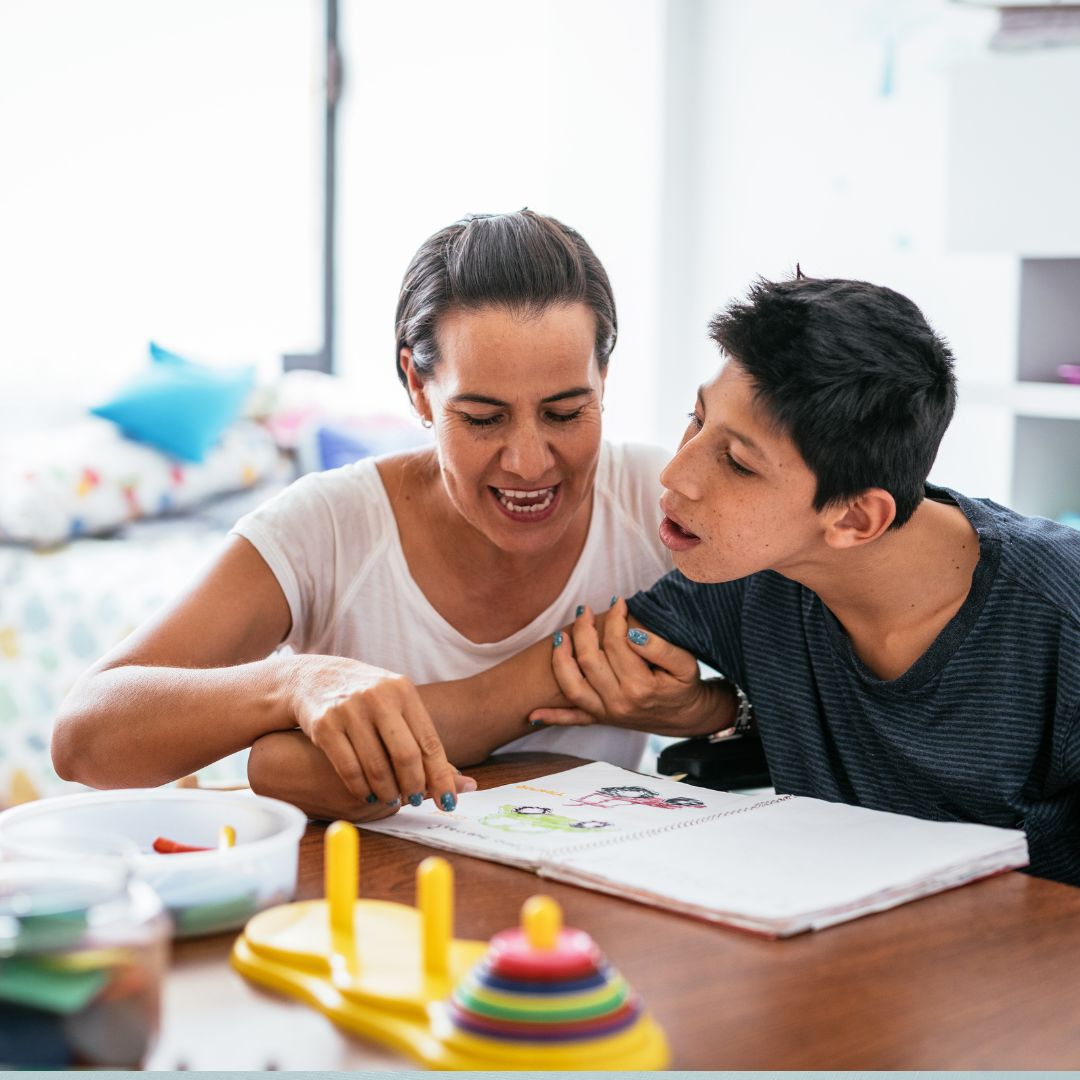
x=66, y=598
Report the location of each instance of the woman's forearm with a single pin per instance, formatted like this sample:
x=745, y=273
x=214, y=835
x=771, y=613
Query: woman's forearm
x=134, y=726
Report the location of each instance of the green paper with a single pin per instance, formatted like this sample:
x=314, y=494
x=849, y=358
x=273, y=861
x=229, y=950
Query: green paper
x=217, y=915
x=29, y=982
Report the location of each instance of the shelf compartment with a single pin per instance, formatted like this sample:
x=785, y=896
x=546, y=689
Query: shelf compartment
x=1049, y=332
x=1046, y=466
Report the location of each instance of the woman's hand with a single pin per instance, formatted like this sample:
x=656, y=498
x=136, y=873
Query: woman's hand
x=622, y=675
x=374, y=730
x=287, y=765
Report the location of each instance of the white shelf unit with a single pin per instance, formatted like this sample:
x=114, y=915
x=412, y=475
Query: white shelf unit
x=1014, y=189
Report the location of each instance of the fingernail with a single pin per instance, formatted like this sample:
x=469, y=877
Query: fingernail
x=638, y=637
x=447, y=801
x=392, y=802
x=416, y=798
x=372, y=798
x=614, y=601
x=466, y=783
x=580, y=610
x=556, y=638
x=536, y=723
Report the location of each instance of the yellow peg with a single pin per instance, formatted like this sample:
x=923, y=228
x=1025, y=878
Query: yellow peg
x=342, y=855
x=435, y=899
x=541, y=919
x=226, y=837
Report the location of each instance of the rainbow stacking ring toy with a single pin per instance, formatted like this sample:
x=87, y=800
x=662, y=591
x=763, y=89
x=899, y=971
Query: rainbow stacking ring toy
x=544, y=997
x=536, y=997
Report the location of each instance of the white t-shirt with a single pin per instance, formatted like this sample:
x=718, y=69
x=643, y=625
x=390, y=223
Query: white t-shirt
x=332, y=542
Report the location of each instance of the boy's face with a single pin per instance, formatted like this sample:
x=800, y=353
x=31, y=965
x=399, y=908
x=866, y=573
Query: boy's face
x=739, y=496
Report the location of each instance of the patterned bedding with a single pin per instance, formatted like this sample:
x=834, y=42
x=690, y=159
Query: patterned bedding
x=61, y=610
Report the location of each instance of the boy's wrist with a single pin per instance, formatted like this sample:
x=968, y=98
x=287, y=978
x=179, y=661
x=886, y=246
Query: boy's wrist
x=731, y=714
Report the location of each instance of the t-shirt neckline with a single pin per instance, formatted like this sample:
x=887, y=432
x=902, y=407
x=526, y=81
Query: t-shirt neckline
x=956, y=630
x=528, y=634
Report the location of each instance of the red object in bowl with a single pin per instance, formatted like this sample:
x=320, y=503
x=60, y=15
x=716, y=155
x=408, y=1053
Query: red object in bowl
x=164, y=846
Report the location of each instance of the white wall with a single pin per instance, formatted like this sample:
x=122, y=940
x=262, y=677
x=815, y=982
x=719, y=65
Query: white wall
x=822, y=135
x=161, y=176
x=480, y=106
x=159, y=180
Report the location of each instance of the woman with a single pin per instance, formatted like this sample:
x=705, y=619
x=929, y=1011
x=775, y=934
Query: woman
x=436, y=564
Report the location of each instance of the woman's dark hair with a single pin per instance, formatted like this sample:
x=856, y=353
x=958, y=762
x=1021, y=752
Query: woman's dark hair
x=854, y=374
x=523, y=261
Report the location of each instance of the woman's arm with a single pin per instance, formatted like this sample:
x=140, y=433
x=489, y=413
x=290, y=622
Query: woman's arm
x=197, y=683
x=595, y=674
x=190, y=686
x=657, y=688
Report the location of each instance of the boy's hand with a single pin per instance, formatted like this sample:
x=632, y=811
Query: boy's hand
x=626, y=676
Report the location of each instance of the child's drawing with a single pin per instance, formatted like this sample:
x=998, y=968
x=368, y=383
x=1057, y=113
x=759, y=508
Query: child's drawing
x=528, y=818
x=633, y=796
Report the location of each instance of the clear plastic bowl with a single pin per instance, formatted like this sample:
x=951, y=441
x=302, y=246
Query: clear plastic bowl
x=205, y=892
x=82, y=953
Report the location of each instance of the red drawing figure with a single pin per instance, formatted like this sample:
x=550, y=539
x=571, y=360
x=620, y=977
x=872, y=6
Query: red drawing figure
x=635, y=796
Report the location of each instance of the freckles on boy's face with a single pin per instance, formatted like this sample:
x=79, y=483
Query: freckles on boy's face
x=739, y=496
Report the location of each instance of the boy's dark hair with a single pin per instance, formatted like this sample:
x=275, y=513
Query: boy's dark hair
x=523, y=261
x=855, y=376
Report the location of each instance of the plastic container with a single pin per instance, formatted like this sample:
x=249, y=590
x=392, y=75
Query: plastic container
x=205, y=892
x=82, y=953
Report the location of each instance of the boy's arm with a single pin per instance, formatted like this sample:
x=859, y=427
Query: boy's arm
x=288, y=765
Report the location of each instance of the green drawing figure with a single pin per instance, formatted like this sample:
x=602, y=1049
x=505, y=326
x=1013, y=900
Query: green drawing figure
x=530, y=818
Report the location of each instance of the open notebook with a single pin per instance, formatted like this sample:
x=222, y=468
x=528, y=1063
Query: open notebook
x=775, y=864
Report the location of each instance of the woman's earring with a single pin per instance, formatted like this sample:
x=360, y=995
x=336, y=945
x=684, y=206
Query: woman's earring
x=425, y=422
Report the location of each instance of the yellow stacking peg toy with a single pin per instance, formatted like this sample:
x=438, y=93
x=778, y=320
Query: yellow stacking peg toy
x=538, y=997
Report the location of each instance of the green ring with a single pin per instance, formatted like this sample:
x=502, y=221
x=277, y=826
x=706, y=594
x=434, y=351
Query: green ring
x=541, y=1016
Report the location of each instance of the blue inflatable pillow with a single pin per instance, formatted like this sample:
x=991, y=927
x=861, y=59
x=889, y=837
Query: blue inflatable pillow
x=179, y=406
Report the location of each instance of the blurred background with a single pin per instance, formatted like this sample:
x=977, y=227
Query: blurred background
x=246, y=180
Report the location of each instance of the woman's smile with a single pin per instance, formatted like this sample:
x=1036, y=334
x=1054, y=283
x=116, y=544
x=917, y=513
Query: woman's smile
x=527, y=506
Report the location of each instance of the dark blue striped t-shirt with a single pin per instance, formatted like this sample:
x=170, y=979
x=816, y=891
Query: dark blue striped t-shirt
x=982, y=727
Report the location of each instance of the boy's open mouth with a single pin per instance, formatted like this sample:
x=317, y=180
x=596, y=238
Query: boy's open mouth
x=675, y=537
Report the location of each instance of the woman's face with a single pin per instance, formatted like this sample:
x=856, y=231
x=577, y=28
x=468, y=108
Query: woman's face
x=515, y=402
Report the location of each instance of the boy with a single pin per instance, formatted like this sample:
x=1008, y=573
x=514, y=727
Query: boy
x=904, y=647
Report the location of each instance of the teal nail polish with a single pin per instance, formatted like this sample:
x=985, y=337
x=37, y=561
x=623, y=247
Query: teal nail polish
x=614, y=601
x=447, y=801
x=638, y=637
x=416, y=798
x=373, y=798
x=556, y=638
x=580, y=610
x=536, y=723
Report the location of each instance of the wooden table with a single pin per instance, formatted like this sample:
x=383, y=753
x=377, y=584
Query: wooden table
x=982, y=977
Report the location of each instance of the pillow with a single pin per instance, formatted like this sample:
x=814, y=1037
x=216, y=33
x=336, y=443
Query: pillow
x=179, y=406
x=88, y=479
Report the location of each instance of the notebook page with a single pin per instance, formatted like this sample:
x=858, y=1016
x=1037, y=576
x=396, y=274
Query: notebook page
x=785, y=864
x=529, y=823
